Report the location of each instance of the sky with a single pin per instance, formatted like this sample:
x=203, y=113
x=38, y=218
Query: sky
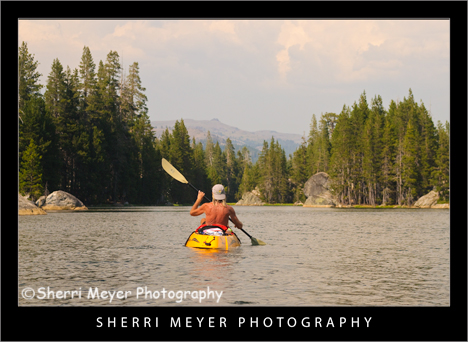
x=260, y=74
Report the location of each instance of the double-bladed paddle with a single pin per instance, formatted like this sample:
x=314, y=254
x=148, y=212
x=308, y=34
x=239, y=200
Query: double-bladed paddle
x=174, y=173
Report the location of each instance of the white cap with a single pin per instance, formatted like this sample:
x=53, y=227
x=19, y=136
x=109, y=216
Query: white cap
x=218, y=192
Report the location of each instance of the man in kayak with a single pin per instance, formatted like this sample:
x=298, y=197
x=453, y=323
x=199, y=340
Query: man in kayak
x=217, y=211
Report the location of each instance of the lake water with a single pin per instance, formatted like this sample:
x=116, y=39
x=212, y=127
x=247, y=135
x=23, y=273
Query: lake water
x=313, y=257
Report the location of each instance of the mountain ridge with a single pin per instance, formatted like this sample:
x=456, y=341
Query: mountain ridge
x=219, y=131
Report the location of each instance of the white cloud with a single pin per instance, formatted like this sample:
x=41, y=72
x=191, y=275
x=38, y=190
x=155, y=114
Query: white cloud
x=291, y=34
x=226, y=28
x=39, y=31
x=346, y=51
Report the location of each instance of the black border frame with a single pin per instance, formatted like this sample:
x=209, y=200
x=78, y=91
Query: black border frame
x=387, y=324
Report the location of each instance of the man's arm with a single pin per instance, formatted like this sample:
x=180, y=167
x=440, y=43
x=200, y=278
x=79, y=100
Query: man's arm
x=195, y=211
x=235, y=220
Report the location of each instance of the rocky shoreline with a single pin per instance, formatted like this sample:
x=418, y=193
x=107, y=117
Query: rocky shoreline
x=319, y=195
x=429, y=201
x=57, y=200
x=251, y=198
x=317, y=192
x=26, y=207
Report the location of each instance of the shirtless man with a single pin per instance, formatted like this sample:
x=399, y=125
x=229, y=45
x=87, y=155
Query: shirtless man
x=217, y=211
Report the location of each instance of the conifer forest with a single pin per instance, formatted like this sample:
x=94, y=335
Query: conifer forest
x=87, y=132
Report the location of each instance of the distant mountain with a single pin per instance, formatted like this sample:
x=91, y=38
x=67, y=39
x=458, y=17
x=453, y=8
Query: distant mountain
x=220, y=132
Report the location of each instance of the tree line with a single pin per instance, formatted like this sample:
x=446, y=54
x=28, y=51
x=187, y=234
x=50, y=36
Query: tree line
x=379, y=157
x=89, y=134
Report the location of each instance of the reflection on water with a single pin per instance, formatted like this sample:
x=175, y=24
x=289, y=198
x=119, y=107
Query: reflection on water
x=313, y=257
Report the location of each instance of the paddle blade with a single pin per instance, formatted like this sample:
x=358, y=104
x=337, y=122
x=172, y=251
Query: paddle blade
x=173, y=171
x=257, y=242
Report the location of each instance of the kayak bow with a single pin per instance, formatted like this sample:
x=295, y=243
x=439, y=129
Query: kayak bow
x=225, y=242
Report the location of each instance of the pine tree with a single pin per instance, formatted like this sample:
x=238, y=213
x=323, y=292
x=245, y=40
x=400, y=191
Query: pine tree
x=32, y=124
x=215, y=166
x=76, y=138
x=232, y=170
x=312, y=146
x=341, y=157
x=135, y=120
x=133, y=99
x=146, y=163
x=355, y=141
x=266, y=172
x=272, y=166
x=441, y=171
x=323, y=147
x=116, y=137
x=113, y=69
x=248, y=173
x=200, y=175
x=180, y=149
x=251, y=178
x=217, y=172
x=28, y=76
x=39, y=126
x=410, y=162
x=92, y=130
x=30, y=175
x=372, y=151
x=331, y=120
x=181, y=157
x=60, y=107
x=55, y=95
x=359, y=116
x=165, y=144
x=209, y=151
x=87, y=75
x=281, y=168
x=405, y=111
x=243, y=155
x=400, y=122
x=389, y=141
x=299, y=171
x=428, y=148
x=97, y=121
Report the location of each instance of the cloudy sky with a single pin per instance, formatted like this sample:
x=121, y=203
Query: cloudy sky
x=260, y=74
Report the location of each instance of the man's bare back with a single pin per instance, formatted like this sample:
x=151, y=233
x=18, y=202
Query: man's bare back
x=215, y=214
x=218, y=214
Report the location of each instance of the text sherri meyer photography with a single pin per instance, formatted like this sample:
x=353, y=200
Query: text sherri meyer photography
x=117, y=296
x=240, y=322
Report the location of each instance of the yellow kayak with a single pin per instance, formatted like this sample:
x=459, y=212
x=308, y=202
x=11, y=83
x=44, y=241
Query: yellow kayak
x=204, y=240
